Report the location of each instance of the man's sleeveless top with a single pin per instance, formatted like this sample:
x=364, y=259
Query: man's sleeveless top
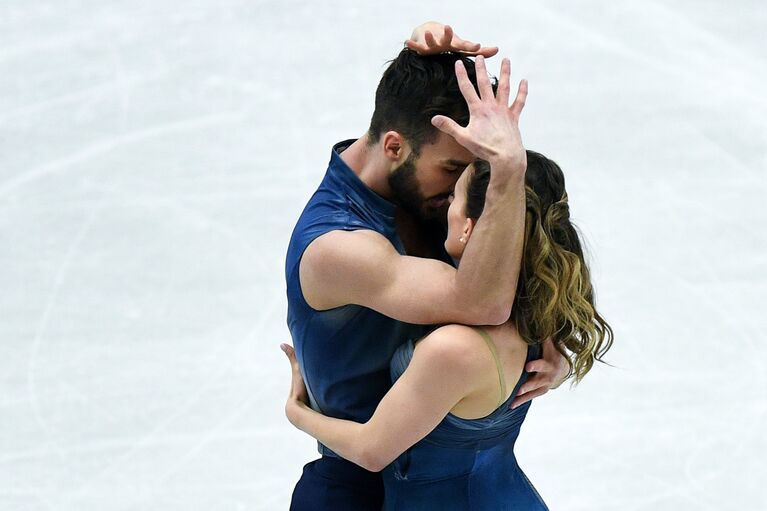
x=463, y=464
x=344, y=353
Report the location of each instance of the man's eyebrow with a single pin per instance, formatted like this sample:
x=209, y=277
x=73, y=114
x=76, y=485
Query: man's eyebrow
x=457, y=163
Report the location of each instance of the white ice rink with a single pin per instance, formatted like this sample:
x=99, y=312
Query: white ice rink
x=154, y=157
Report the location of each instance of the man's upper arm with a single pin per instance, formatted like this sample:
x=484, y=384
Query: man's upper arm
x=362, y=267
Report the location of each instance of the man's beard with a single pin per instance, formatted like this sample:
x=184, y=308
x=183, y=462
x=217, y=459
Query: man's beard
x=407, y=193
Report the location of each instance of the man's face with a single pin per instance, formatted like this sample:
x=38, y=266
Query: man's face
x=423, y=184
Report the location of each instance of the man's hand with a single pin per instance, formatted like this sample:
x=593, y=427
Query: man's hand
x=493, y=130
x=432, y=38
x=550, y=371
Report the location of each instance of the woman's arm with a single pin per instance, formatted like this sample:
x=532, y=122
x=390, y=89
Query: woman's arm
x=445, y=368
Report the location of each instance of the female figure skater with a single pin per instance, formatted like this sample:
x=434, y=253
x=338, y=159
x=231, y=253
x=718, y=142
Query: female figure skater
x=444, y=434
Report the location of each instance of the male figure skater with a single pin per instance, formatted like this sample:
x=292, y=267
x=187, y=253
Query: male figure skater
x=356, y=289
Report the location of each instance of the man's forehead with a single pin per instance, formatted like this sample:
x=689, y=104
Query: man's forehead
x=446, y=148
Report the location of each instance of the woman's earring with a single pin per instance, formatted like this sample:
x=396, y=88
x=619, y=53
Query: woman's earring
x=462, y=239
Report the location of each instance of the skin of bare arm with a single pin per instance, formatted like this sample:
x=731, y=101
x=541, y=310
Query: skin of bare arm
x=446, y=367
x=433, y=37
x=361, y=267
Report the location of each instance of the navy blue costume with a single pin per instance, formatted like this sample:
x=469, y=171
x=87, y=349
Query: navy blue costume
x=463, y=464
x=344, y=353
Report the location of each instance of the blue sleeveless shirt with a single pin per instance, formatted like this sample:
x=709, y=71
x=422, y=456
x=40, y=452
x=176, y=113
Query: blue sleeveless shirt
x=344, y=353
x=463, y=464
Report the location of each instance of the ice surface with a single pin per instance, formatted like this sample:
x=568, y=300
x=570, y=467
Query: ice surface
x=154, y=157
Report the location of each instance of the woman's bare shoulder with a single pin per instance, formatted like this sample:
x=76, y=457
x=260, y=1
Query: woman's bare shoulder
x=458, y=346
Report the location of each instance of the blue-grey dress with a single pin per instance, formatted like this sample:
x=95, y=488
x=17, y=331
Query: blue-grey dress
x=463, y=464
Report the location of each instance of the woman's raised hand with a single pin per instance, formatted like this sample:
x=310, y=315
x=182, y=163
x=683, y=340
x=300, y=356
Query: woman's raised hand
x=493, y=130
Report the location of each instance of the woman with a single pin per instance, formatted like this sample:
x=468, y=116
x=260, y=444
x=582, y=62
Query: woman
x=445, y=432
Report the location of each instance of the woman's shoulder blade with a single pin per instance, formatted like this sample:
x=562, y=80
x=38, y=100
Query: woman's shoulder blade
x=454, y=345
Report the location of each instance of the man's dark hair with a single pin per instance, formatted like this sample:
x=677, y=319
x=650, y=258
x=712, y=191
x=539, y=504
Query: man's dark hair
x=415, y=88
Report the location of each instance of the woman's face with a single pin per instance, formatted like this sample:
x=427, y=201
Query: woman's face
x=457, y=224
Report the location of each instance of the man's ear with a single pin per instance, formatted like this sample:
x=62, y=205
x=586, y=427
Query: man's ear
x=396, y=149
x=468, y=228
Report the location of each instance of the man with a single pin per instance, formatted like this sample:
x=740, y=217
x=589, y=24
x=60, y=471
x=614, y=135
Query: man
x=355, y=289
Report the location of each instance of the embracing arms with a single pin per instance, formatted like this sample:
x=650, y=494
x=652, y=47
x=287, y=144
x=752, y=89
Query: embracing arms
x=444, y=370
x=362, y=267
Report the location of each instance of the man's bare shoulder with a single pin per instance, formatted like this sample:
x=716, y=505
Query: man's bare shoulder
x=342, y=267
x=343, y=245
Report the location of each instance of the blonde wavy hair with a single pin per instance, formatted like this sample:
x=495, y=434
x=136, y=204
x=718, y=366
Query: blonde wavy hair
x=555, y=297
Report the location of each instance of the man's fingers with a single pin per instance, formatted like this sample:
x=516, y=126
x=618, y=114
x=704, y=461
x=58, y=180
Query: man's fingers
x=483, y=81
x=487, y=52
x=447, y=36
x=448, y=42
x=467, y=89
x=466, y=46
x=429, y=38
x=416, y=47
x=538, y=366
x=519, y=101
x=533, y=383
x=504, y=87
x=529, y=396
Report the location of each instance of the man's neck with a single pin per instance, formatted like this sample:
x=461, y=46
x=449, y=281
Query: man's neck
x=359, y=157
x=422, y=239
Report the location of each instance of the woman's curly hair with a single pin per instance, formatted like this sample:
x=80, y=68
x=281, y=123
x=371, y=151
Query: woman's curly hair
x=554, y=295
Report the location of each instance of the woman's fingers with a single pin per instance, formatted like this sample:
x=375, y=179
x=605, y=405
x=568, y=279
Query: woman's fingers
x=504, y=88
x=449, y=127
x=519, y=101
x=290, y=352
x=297, y=385
x=483, y=80
x=467, y=89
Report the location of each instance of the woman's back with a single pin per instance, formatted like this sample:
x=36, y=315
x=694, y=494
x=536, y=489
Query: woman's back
x=503, y=353
x=467, y=461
